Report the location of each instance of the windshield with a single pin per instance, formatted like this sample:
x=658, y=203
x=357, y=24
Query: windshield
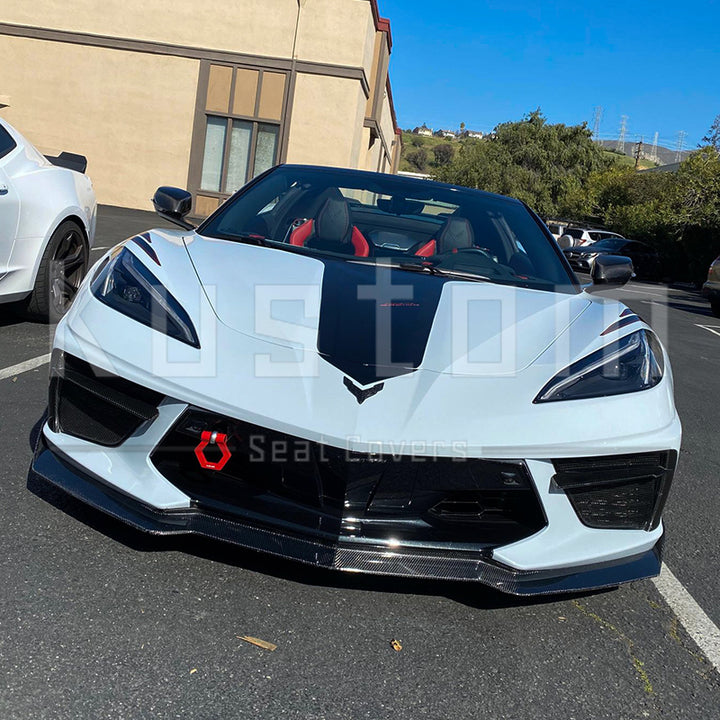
x=609, y=244
x=415, y=225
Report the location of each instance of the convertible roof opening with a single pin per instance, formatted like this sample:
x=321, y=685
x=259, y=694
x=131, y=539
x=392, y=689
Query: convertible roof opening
x=387, y=220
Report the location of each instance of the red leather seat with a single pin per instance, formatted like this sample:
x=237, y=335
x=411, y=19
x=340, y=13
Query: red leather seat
x=455, y=234
x=332, y=230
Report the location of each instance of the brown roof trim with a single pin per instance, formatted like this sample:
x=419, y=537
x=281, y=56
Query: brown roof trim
x=381, y=24
x=186, y=51
x=375, y=12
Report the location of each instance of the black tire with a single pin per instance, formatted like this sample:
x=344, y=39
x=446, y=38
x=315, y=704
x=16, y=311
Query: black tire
x=715, y=307
x=62, y=268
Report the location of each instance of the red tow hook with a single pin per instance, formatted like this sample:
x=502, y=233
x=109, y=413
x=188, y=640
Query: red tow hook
x=217, y=439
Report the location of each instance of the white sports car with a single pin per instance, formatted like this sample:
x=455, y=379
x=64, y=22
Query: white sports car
x=368, y=373
x=47, y=226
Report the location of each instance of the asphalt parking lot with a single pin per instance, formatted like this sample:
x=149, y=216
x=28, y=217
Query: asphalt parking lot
x=98, y=621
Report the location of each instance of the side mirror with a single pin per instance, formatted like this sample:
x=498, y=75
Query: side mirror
x=566, y=241
x=610, y=271
x=173, y=204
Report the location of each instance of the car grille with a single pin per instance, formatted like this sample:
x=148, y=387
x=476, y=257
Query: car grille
x=618, y=491
x=92, y=404
x=316, y=487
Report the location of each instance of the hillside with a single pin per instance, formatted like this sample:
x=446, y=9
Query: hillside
x=419, y=153
x=409, y=160
x=629, y=160
x=666, y=156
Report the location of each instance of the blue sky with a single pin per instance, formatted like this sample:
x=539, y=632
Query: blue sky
x=490, y=61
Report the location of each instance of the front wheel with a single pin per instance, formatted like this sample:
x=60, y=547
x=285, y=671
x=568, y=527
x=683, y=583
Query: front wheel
x=62, y=268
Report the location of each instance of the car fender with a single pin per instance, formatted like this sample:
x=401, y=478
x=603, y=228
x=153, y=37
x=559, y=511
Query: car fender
x=48, y=196
x=70, y=212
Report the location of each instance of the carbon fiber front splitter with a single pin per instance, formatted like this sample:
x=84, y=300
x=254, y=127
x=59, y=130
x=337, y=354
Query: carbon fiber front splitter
x=342, y=553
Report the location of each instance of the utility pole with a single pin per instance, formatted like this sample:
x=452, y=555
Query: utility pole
x=596, y=122
x=638, y=153
x=681, y=141
x=623, y=130
x=654, y=155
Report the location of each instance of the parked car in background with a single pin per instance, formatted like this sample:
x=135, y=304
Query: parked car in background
x=556, y=229
x=711, y=289
x=47, y=226
x=586, y=236
x=645, y=259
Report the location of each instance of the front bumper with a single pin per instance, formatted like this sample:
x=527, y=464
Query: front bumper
x=580, y=263
x=711, y=290
x=54, y=467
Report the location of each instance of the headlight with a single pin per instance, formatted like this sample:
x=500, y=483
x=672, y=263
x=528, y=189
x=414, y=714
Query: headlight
x=635, y=362
x=126, y=285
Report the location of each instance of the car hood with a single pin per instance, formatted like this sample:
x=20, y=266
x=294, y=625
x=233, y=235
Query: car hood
x=377, y=323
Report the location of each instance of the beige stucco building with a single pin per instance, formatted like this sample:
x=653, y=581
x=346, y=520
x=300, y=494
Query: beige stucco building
x=199, y=95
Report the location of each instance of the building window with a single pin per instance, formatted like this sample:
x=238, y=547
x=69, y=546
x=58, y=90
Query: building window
x=236, y=151
x=241, y=113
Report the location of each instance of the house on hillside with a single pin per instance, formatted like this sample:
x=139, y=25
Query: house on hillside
x=474, y=134
x=423, y=130
x=444, y=134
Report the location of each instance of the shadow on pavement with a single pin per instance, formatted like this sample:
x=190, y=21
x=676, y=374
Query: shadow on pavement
x=12, y=314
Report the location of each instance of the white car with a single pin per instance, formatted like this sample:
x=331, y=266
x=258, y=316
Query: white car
x=368, y=373
x=557, y=230
x=47, y=226
x=579, y=237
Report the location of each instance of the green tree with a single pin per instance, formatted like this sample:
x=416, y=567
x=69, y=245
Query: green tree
x=545, y=165
x=678, y=213
x=639, y=205
x=713, y=134
x=444, y=153
x=697, y=207
x=418, y=159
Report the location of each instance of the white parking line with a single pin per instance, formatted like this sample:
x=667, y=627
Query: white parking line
x=643, y=292
x=22, y=367
x=710, y=328
x=693, y=618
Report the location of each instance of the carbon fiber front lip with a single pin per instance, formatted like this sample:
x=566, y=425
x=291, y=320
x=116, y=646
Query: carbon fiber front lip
x=343, y=554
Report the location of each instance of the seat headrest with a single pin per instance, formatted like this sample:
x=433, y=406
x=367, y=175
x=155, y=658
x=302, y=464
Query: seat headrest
x=457, y=233
x=333, y=221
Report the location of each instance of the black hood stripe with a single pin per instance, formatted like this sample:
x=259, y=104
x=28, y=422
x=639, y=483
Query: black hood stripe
x=375, y=321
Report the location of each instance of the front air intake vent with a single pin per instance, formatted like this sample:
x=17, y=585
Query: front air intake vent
x=623, y=492
x=95, y=405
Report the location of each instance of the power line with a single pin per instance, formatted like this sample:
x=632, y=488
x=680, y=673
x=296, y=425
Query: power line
x=680, y=142
x=638, y=152
x=596, y=122
x=623, y=130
